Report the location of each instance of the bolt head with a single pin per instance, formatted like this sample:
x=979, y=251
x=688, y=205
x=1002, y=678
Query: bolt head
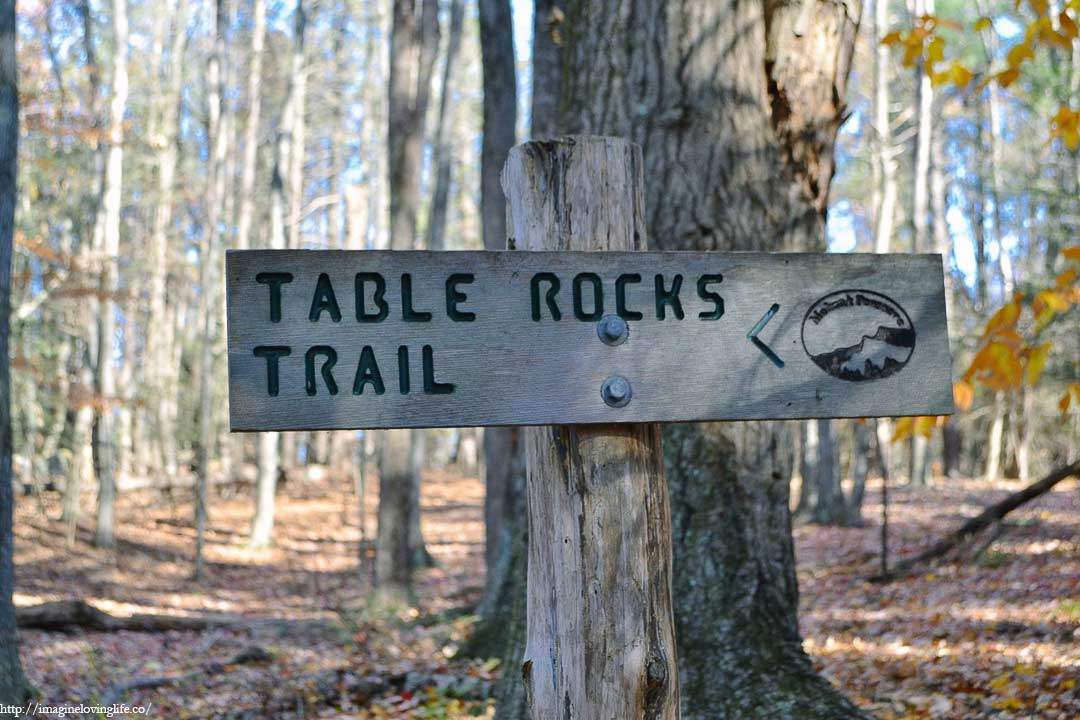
x=616, y=391
x=613, y=330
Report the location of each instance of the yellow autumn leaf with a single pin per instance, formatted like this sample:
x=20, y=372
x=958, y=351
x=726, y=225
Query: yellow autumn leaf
x=1001, y=681
x=1071, y=137
x=1067, y=25
x=1006, y=317
x=913, y=48
x=935, y=52
x=1009, y=338
x=960, y=75
x=925, y=425
x=1039, y=6
x=1066, y=125
x=1006, y=370
x=892, y=38
x=903, y=429
x=1063, y=403
x=1062, y=41
x=1066, y=278
x=1036, y=362
x=983, y=23
x=1018, y=54
x=963, y=394
x=1007, y=77
x=1043, y=318
x=1072, y=253
x=1050, y=299
x=1009, y=703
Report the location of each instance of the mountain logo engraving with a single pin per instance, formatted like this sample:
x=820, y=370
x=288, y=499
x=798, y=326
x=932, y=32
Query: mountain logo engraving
x=858, y=335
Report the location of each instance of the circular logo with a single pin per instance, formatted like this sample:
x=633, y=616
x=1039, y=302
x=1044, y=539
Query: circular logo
x=858, y=335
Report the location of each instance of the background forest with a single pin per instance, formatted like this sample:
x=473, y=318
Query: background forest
x=156, y=134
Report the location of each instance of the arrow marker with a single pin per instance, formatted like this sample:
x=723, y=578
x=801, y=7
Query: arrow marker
x=753, y=335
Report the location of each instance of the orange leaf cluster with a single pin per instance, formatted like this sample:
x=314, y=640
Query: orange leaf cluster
x=1006, y=358
x=923, y=43
x=1066, y=125
x=923, y=425
x=1049, y=28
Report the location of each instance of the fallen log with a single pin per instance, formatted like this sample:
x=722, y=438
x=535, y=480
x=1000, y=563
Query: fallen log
x=980, y=522
x=72, y=614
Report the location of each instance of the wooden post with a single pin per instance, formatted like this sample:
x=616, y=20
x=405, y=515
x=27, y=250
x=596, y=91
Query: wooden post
x=601, y=639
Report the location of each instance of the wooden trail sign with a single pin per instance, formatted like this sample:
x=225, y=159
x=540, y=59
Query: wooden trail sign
x=371, y=339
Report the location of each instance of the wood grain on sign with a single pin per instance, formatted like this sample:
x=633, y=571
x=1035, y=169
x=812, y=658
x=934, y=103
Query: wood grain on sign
x=442, y=339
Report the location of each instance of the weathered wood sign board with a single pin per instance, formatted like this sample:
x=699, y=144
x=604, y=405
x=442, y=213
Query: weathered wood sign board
x=372, y=339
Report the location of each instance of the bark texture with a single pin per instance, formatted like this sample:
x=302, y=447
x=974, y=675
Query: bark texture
x=12, y=682
x=600, y=637
x=736, y=104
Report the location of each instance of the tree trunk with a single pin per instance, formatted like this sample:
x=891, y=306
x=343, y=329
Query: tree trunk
x=442, y=159
x=548, y=34
x=923, y=140
x=251, y=130
x=737, y=105
x=393, y=569
x=829, y=508
x=859, y=472
x=808, y=463
x=920, y=461
x=884, y=153
x=262, y=525
x=419, y=557
x=13, y=690
x=994, y=444
x=208, y=273
x=414, y=42
x=1025, y=433
x=298, y=127
x=105, y=449
x=505, y=532
x=952, y=442
x=82, y=460
x=600, y=632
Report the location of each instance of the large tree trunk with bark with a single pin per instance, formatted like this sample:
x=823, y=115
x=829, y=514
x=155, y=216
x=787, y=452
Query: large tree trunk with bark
x=736, y=104
x=600, y=637
x=12, y=682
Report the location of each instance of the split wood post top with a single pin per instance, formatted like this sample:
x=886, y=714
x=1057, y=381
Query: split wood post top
x=601, y=640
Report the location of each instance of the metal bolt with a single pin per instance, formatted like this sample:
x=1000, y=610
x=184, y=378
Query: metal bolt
x=616, y=391
x=613, y=330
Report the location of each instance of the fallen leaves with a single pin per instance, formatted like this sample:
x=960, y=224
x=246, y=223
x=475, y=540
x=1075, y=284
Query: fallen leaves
x=994, y=638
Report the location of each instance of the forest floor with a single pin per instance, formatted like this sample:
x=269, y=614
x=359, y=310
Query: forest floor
x=996, y=637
